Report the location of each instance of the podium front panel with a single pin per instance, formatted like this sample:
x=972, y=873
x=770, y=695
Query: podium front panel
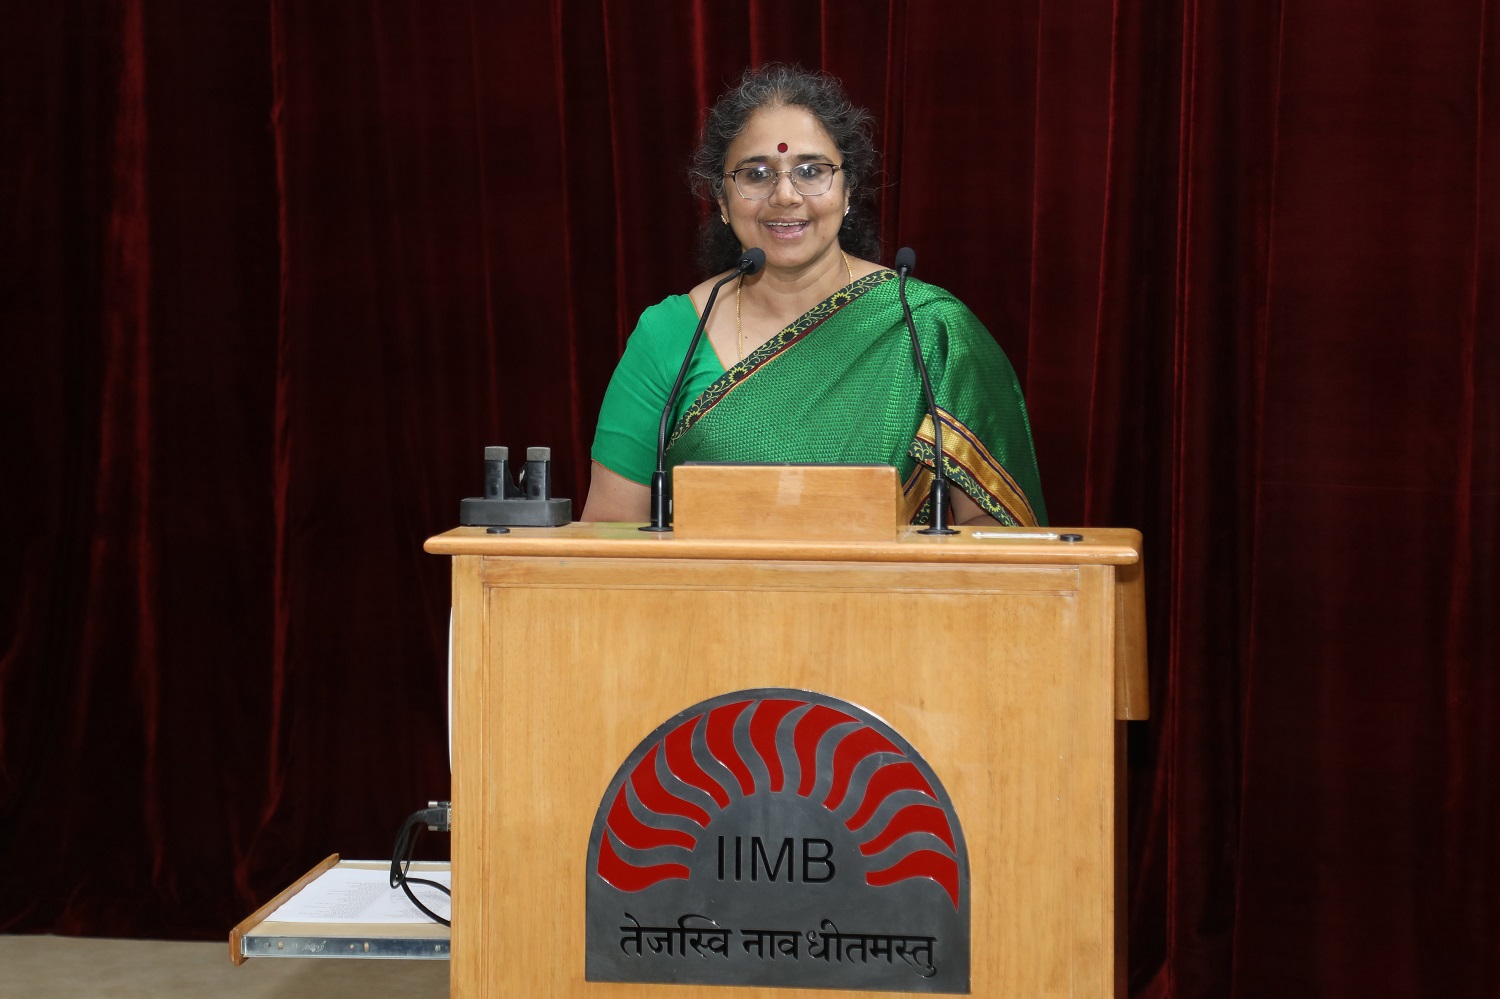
x=1001, y=675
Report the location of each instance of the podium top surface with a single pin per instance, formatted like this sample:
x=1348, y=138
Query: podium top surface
x=1018, y=546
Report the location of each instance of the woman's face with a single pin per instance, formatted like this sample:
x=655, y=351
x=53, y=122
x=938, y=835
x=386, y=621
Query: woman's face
x=794, y=229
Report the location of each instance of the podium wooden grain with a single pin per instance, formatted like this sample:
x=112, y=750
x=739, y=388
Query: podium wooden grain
x=1009, y=664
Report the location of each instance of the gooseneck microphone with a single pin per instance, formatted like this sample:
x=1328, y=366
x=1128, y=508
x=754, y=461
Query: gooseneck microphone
x=751, y=261
x=906, y=262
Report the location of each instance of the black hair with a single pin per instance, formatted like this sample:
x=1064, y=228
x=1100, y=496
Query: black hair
x=852, y=130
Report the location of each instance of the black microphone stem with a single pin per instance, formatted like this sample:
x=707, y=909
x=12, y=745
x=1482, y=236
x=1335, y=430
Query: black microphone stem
x=661, y=499
x=938, y=499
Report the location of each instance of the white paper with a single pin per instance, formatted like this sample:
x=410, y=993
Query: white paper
x=355, y=895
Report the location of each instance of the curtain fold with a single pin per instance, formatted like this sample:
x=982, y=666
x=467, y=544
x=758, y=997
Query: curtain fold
x=274, y=274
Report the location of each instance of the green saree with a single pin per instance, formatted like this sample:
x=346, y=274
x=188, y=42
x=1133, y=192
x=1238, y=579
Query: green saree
x=839, y=386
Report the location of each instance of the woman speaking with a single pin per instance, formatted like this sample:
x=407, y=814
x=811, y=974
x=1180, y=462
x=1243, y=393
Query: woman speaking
x=813, y=363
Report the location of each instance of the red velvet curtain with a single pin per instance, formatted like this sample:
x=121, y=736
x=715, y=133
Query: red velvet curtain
x=272, y=274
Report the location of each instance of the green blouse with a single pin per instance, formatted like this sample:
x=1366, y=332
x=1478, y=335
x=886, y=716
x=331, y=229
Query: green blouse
x=625, y=441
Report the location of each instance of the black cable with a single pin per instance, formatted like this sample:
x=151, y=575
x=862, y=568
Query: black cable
x=406, y=846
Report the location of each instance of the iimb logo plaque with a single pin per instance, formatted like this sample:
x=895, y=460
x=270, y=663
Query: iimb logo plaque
x=778, y=837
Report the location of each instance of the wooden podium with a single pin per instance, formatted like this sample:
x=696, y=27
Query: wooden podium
x=1010, y=661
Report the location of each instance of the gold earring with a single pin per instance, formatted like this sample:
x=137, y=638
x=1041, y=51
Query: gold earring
x=723, y=218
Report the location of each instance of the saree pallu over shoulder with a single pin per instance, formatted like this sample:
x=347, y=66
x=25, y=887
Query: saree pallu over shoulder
x=783, y=341
x=839, y=386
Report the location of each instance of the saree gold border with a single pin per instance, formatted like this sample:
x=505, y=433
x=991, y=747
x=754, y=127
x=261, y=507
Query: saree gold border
x=767, y=352
x=983, y=468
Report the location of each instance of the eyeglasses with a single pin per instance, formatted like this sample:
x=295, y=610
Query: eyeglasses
x=756, y=183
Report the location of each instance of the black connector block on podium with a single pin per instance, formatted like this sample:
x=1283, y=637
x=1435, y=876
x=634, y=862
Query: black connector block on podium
x=507, y=502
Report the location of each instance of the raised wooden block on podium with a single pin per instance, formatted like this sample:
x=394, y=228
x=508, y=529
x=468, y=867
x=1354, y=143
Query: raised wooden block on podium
x=1008, y=661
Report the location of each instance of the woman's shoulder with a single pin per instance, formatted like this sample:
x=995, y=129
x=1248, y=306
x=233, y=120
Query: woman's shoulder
x=670, y=310
x=936, y=302
x=961, y=328
x=860, y=268
x=665, y=322
x=931, y=296
x=698, y=296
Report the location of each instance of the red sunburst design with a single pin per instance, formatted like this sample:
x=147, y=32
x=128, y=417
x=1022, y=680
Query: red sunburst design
x=894, y=774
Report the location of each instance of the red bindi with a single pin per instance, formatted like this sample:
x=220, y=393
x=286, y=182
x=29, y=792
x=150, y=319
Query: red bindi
x=781, y=147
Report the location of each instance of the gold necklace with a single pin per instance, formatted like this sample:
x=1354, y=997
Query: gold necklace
x=739, y=330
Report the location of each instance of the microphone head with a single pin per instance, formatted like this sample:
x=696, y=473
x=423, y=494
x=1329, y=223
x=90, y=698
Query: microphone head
x=752, y=260
x=906, y=260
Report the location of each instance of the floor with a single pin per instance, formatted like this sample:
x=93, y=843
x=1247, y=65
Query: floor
x=49, y=967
